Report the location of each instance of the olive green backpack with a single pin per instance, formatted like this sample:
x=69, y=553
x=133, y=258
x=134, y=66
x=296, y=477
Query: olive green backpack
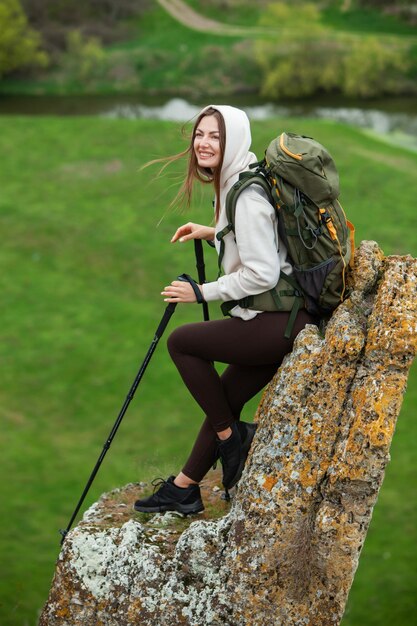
x=300, y=178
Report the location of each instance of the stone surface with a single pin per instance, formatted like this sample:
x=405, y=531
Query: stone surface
x=285, y=552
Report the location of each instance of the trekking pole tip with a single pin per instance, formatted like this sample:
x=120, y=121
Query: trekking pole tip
x=63, y=533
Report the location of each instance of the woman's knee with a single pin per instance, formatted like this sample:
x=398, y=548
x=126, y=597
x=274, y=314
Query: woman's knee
x=177, y=340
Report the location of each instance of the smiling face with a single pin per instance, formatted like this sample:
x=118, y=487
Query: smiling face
x=207, y=143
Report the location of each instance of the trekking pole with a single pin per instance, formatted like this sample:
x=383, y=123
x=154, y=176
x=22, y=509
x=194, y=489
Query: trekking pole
x=201, y=270
x=158, y=334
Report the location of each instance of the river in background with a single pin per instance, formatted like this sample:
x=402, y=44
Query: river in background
x=393, y=119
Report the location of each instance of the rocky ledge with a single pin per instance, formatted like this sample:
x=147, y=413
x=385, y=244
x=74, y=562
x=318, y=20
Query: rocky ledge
x=285, y=551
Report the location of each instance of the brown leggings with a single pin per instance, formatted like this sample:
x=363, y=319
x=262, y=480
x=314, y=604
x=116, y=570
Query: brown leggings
x=253, y=349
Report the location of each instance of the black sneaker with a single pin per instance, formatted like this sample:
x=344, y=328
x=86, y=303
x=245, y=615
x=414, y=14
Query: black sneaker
x=169, y=497
x=234, y=451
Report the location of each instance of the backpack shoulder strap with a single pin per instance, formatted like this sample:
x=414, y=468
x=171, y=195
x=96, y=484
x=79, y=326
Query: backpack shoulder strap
x=246, y=179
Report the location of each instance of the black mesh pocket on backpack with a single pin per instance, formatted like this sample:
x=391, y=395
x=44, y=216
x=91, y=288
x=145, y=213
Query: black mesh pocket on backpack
x=311, y=281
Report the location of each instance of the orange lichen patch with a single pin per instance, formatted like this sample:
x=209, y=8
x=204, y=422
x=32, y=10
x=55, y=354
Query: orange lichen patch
x=375, y=407
x=134, y=609
x=63, y=612
x=310, y=474
x=394, y=321
x=343, y=470
x=269, y=482
x=399, y=338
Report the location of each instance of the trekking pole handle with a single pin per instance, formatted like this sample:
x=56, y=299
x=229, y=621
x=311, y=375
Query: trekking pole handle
x=186, y=278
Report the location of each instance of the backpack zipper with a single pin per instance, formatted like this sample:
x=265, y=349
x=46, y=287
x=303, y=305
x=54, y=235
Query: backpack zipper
x=284, y=148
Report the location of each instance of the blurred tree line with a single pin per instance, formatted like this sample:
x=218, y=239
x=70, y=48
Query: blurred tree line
x=34, y=33
x=103, y=19
x=306, y=56
x=20, y=45
x=309, y=58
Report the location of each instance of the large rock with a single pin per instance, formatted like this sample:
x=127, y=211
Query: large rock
x=286, y=552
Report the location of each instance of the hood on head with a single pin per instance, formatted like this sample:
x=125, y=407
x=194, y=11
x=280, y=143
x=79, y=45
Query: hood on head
x=238, y=140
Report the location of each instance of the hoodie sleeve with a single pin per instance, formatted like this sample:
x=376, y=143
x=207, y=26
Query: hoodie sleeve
x=255, y=260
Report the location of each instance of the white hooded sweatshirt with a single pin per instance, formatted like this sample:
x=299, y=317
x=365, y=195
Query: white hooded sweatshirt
x=254, y=255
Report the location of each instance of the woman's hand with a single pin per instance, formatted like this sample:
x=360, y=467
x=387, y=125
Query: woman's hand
x=193, y=231
x=179, y=291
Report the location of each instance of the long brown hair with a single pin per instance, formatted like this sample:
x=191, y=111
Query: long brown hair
x=204, y=175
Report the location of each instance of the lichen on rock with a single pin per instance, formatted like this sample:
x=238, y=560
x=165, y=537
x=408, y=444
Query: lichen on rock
x=285, y=552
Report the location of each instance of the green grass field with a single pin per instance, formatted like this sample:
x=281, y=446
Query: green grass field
x=85, y=252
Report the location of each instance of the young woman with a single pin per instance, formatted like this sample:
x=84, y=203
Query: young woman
x=251, y=342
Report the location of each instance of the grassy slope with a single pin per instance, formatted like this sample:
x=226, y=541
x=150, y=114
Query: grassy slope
x=82, y=262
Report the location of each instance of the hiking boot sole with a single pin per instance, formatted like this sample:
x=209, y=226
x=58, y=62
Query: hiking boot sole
x=185, y=509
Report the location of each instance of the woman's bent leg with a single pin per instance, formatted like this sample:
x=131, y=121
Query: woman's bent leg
x=254, y=349
x=240, y=384
x=257, y=342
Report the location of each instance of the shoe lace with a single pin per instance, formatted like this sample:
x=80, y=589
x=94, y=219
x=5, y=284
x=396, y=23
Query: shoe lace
x=157, y=483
